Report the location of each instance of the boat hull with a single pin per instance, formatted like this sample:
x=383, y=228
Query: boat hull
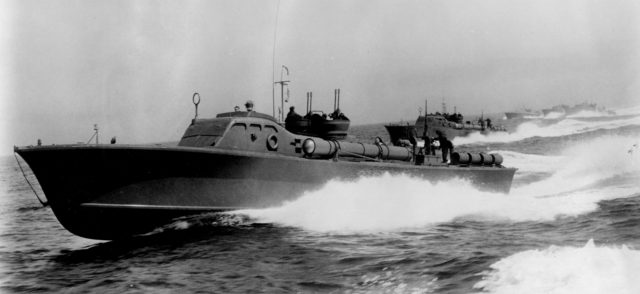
x=515, y=115
x=116, y=191
x=450, y=129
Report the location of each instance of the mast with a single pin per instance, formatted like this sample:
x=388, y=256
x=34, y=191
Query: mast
x=282, y=83
x=95, y=134
x=424, y=133
x=95, y=127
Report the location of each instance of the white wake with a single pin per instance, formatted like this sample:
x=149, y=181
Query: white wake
x=574, y=186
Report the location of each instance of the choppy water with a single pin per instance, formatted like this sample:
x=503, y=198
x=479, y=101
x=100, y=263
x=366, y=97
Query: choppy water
x=571, y=224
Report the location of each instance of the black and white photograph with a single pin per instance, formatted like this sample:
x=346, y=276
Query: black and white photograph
x=338, y=146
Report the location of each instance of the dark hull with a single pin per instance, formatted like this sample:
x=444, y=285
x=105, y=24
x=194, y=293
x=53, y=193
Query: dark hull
x=517, y=115
x=565, y=110
x=451, y=129
x=514, y=115
x=579, y=108
x=451, y=132
x=400, y=132
x=111, y=192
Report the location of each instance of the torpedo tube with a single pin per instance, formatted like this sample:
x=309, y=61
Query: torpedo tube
x=320, y=148
x=464, y=158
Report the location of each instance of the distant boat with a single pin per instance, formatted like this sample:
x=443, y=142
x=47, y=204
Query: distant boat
x=581, y=107
x=450, y=125
x=566, y=110
x=560, y=109
x=526, y=113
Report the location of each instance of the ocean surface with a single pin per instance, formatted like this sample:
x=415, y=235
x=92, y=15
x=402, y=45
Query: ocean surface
x=571, y=224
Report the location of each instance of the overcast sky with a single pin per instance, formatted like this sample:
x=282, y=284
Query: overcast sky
x=132, y=66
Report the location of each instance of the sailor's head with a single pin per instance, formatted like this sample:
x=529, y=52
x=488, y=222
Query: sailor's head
x=237, y=108
x=249, y=105
x=292, y=108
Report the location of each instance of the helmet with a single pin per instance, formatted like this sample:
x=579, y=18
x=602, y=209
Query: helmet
x=249, y=103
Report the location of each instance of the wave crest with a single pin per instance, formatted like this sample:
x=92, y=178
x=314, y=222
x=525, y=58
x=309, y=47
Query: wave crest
x=589, y=269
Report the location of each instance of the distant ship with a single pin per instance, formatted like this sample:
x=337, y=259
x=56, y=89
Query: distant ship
x=526, y=113
x=237, y=160
x=566, y=110
x=559, y=109
x=451, y=125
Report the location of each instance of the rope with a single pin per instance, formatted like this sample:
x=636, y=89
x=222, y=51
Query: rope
x=94, y=134
x=358, y=155
x=44, y=203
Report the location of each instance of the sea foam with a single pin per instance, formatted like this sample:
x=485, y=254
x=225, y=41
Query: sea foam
x=584, y=164
x=629, y=110
x=588, y=270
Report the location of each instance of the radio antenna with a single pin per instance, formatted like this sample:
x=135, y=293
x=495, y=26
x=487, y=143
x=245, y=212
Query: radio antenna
x=273, y=65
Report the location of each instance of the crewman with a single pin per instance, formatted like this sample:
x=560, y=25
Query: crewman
x=249, y=105
x=445, y=145
x=292, y=115
x=337, y=114
x=236, y=109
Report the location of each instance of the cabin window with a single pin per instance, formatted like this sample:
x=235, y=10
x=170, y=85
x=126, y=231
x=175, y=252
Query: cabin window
x=203, y=133
x=239, y=126
x=272, y=128
x=255, y=127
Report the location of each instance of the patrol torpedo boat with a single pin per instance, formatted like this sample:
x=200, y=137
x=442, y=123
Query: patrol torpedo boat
x=237, y=160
